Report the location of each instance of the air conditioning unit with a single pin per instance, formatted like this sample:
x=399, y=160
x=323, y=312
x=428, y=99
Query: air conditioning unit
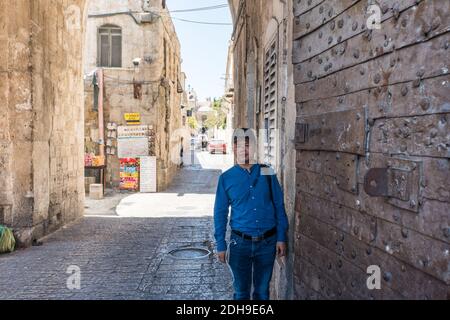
x=148, y=18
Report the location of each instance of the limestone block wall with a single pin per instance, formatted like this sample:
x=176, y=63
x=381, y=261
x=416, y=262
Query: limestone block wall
x=169, y=109
x=42, y=143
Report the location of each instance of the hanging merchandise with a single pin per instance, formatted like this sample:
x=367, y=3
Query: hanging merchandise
x=98, y=161
x=96, y=91
x=129, y=174
x=88, y=159
x=111, y=142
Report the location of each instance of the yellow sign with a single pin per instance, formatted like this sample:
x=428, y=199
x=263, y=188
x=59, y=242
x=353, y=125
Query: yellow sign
x=133, y=118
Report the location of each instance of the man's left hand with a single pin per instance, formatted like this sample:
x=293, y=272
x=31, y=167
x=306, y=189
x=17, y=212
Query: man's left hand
x=281, y=249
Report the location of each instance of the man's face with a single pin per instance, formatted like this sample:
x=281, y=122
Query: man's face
x=245, y=150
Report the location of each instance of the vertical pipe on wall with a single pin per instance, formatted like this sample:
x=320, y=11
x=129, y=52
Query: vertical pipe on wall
x=101, y=128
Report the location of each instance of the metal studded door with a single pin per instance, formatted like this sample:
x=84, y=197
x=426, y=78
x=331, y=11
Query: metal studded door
x=373, y=149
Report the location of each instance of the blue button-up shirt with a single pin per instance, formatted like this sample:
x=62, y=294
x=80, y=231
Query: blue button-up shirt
x=252, y=210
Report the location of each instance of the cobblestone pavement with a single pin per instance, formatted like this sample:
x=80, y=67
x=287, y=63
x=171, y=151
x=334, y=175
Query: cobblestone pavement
x=126, y=256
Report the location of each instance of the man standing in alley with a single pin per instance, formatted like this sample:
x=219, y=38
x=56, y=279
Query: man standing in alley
x=181, y=152
x=258, y=219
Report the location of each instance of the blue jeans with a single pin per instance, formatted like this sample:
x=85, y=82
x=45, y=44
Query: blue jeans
x=249, y=258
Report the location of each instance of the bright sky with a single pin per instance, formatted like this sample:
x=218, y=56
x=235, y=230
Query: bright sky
x=204, y=48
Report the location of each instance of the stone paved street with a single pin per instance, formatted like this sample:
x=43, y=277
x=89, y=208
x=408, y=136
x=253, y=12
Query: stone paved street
x=125, y=254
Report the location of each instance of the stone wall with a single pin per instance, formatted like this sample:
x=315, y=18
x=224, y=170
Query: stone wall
x=42, y=138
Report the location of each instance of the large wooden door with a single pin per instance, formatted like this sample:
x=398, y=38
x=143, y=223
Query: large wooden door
x=373, y=149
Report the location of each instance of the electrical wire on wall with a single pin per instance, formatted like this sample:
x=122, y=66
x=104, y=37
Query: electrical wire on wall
x=220, y=6
x=195, y=21
x=119, y=81
x=164, y=13
x=204, y=22
x=132, y=82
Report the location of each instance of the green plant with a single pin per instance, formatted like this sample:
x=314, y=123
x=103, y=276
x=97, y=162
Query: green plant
x=192, y=123
x=219, y=118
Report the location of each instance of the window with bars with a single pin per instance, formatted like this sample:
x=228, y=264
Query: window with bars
x=270, y=102
x=110, y=46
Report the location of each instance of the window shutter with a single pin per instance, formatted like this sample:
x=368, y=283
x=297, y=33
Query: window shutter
x=270, y=103
x=104, y=50
x=116, y=51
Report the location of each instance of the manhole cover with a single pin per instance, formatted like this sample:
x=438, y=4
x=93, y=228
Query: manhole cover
x=189, y=253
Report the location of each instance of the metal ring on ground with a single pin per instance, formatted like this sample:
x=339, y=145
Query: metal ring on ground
x=189, y=253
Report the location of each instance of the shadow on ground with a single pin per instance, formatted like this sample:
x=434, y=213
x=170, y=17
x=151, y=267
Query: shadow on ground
x=118, y=258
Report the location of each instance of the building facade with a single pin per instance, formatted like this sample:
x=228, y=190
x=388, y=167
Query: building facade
x=264, y=98
x=228, y=100
x=136, y=46
x=41, y=122
x=372, y=140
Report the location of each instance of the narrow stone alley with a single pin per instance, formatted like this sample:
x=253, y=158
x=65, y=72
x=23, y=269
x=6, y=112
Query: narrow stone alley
x=128, y=254
x=105, y=104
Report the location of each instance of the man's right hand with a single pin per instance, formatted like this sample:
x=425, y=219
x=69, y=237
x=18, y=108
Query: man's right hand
x=221, y=256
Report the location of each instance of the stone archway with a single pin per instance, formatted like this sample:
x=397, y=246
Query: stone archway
x=41, y=122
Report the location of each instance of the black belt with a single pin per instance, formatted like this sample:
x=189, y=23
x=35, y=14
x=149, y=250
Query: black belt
x=266, y=235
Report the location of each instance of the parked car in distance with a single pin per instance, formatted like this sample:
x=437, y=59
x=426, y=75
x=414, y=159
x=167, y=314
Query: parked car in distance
x=217, y=146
